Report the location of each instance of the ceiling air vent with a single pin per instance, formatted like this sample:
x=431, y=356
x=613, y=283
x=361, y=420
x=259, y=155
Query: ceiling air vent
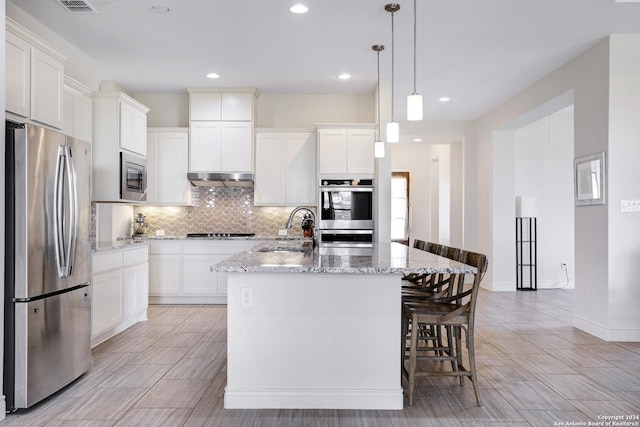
x=77, y=6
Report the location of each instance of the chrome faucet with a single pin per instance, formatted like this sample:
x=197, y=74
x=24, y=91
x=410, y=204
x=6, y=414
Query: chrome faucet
x=289, y=222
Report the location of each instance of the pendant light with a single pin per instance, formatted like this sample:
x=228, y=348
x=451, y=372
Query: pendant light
x=378, y=147
x=393, y=129
x=414, y=101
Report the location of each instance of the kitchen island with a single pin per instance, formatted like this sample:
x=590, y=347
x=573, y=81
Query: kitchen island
x=318, y=328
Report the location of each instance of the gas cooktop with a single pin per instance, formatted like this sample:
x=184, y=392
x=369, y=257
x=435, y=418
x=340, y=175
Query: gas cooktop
x=217, y=235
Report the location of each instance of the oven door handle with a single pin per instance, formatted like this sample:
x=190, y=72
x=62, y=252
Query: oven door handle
x=338, y=189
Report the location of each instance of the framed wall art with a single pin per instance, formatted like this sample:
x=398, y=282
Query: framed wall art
x=589, y=174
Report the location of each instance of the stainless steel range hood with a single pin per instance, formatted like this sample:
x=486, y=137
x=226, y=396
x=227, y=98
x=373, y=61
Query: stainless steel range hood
x=220, y=179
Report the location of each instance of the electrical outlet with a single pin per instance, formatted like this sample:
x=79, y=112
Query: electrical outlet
x=282, y=232
x=159, y=232
x=246, y=297
x=563, y=265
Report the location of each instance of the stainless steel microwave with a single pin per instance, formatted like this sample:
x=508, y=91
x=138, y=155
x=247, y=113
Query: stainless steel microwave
x=133, y=178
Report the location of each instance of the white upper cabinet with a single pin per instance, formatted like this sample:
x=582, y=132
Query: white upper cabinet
x=221, y=129
x=167, y=166
x=225, y=104
x=34, y=77
x=285, y=169
x=133, y=127
x=346, y=149
x=18, y=75
x=78, y=110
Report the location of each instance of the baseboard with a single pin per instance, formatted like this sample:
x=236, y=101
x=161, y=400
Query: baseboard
x=312, y=399
x=164, y=299
x=3, y=407
x=619, y=335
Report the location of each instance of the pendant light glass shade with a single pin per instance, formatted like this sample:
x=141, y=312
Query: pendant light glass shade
x=378, y=149
x=414, y=107
x=393, y=132
x=414, y=101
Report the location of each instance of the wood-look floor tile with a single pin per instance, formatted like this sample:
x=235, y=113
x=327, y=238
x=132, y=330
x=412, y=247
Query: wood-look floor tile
x=154, y=417
x=192, y=369
x=548, y=418
x=494, y=407
x=174, y=394
x=208, y=350
x=576, y=387
x=613, y=379
x=296, y=417
x=192, y=326
x=178, y=339
x=218, y=332
x=549, y=341
x=129, y=345
x=515, y=346
x=426, y=411
x=210, y=314
x=633, y=397
x=579, y=358
x=159, y=356
x=110, y=362
x=103, y=404
x=136, y=376
x=85, y=383
x=531, y=395
x=210, y=412
x=362, y=418
x=502, y=370
x=611, y=351
x=594, y=408
x=490, y=332
x=487, y=350
x=80, y=423
x=219, y=382
x=541, y=363
x=41, y=413
x=534, y=327
x=149, y=330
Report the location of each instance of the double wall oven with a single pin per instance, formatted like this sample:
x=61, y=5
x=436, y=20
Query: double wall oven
x=345, y=213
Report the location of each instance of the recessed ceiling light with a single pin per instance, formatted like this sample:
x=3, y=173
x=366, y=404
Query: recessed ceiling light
x=299, y=8
x=213, y=76
x=344, y=76
x=444, y=99
x=159, y=9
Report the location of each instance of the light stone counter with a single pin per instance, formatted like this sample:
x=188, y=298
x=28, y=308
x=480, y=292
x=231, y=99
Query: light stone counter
x=318, y=329
x=386, y=258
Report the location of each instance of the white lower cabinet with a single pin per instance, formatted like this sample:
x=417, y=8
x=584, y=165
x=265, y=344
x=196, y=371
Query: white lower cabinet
x=180, y=271
x=120, y=289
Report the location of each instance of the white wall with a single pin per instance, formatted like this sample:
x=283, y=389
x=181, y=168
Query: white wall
x=304, y=111
x=436, y=198
x=166, y=110
x=543, y=167
x=623, y=321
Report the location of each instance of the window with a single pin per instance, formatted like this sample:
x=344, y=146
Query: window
x=400, y=207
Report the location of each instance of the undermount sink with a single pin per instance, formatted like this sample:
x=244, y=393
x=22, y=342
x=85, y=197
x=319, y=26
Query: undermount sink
x=283, y=249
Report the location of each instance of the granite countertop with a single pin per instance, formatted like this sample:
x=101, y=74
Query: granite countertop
x=119, y=244
x=299, y=257
x=152, y=238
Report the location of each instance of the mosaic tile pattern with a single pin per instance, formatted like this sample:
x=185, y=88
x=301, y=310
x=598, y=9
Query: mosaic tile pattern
x=219, y=210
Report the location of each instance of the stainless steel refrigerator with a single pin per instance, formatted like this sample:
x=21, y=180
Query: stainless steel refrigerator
x=48, y=263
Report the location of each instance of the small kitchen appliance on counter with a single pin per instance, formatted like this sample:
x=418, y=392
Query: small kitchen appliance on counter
x=140, y=226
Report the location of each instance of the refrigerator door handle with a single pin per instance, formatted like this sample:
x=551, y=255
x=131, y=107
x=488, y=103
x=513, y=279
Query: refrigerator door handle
x=73, y=210
x=58, y=213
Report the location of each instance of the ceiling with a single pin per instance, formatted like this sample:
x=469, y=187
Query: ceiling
x=477, y=52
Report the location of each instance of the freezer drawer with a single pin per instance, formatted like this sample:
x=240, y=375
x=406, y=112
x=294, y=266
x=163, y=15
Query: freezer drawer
x=52, y=344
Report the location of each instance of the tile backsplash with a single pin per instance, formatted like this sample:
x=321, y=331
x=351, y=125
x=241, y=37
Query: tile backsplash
x=219, y=210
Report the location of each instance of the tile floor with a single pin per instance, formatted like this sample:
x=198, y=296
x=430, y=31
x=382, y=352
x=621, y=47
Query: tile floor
x=535, y=370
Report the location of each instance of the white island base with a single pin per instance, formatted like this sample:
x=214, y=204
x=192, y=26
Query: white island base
x=313, y=341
